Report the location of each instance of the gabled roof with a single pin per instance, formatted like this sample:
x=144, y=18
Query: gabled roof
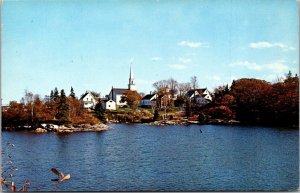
x=192, y=91
x=119, y=90
x=84, y=95
x=148, y=96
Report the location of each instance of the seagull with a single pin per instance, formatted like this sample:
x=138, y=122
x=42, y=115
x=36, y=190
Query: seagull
x=61, y=176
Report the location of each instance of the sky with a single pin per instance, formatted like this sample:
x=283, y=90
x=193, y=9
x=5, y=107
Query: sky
x=90, y=45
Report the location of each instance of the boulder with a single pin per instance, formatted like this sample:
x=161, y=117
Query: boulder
x=40, y=130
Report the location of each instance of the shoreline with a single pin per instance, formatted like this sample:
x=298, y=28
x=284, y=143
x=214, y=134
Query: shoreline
x=44, y=128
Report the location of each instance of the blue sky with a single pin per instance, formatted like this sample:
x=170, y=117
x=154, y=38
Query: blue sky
x=90, y=44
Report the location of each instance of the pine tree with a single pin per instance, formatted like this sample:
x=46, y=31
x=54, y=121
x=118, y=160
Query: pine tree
x=72, y=94
x=55, y=94
x=51, y=96
x=63, y=108
x=289, y=75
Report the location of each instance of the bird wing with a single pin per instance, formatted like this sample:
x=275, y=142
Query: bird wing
x=55, y=171
x=66, y=177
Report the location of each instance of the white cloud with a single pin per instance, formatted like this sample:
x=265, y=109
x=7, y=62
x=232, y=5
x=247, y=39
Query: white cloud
x=193, y=44
x=247, y=64
x=184, y=60
x=260, y=45
x=177, y=66
x=276, y=67
x=155, y=59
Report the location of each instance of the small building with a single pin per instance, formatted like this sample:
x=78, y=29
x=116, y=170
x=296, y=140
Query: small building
x=199, y=96
x=88, y=100
x=149, y=100
x=108, y=104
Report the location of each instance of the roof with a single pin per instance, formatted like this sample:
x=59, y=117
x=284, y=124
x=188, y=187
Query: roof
x=192, y=91
x=119, y=90
x=148, y=96
x=82, y=96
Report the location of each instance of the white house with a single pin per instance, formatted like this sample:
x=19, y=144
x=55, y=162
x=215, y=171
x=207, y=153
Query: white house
x=109, y=105
x=89, y=100
x=149, y=100
x=199, y=96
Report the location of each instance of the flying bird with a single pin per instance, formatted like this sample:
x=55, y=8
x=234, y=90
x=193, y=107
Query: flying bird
x=61, y=176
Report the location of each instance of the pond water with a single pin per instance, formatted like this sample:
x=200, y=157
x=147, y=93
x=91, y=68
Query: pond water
x=159, y=158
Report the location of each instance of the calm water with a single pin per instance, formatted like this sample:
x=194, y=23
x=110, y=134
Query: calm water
x=169, y=158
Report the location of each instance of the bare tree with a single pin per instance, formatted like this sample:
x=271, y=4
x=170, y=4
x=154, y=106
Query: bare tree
x=160, y=84
x=173, y=85
x=194, y=82
x=184, y=87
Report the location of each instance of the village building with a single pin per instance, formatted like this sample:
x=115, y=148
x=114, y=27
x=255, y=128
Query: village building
x=199, y=96
x=88, y=100
x=108, y=104
x=115, y=95
x=148, y=100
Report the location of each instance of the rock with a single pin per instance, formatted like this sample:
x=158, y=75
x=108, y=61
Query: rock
x=40, y=130
x=44, y=125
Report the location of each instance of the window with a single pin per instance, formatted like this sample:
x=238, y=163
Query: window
x=108, y=105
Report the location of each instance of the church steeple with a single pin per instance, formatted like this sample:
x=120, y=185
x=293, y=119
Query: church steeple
x=131, y=85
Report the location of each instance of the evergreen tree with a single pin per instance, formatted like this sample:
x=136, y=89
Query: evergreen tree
x=63, y=108
x=72, y=94
x=52, y=96
x=55, y=94
x=289, y=75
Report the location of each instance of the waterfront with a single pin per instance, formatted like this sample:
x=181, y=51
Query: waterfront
x=167, y=158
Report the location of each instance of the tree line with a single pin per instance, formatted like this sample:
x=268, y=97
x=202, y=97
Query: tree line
x=255, y=101
x=248, y=100
x=56, y=108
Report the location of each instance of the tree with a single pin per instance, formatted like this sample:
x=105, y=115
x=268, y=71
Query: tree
x=156, y=115
x=284, y=102
x=194, y=82
x=172, y=84
x=132, y=98
x=72, y=94
x=55, y=94
x=39, y=114
x=63, y=108
x=187, y=109
x=28, y=101
x=160, y=84
x=220, y=112
x=184, y=88
x=289, y=74
x=252, y=98
x=52, y=95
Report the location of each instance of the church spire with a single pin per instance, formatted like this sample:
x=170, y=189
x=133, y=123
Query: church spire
x=131, y=74
x=131, y=85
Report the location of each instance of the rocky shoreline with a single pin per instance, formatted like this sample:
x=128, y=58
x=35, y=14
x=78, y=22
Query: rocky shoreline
x=44, y=128
x=184, y=122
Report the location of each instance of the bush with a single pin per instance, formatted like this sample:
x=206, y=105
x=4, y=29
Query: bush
x=220, y=112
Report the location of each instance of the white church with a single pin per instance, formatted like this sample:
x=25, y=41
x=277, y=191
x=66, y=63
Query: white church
x=113, y=99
